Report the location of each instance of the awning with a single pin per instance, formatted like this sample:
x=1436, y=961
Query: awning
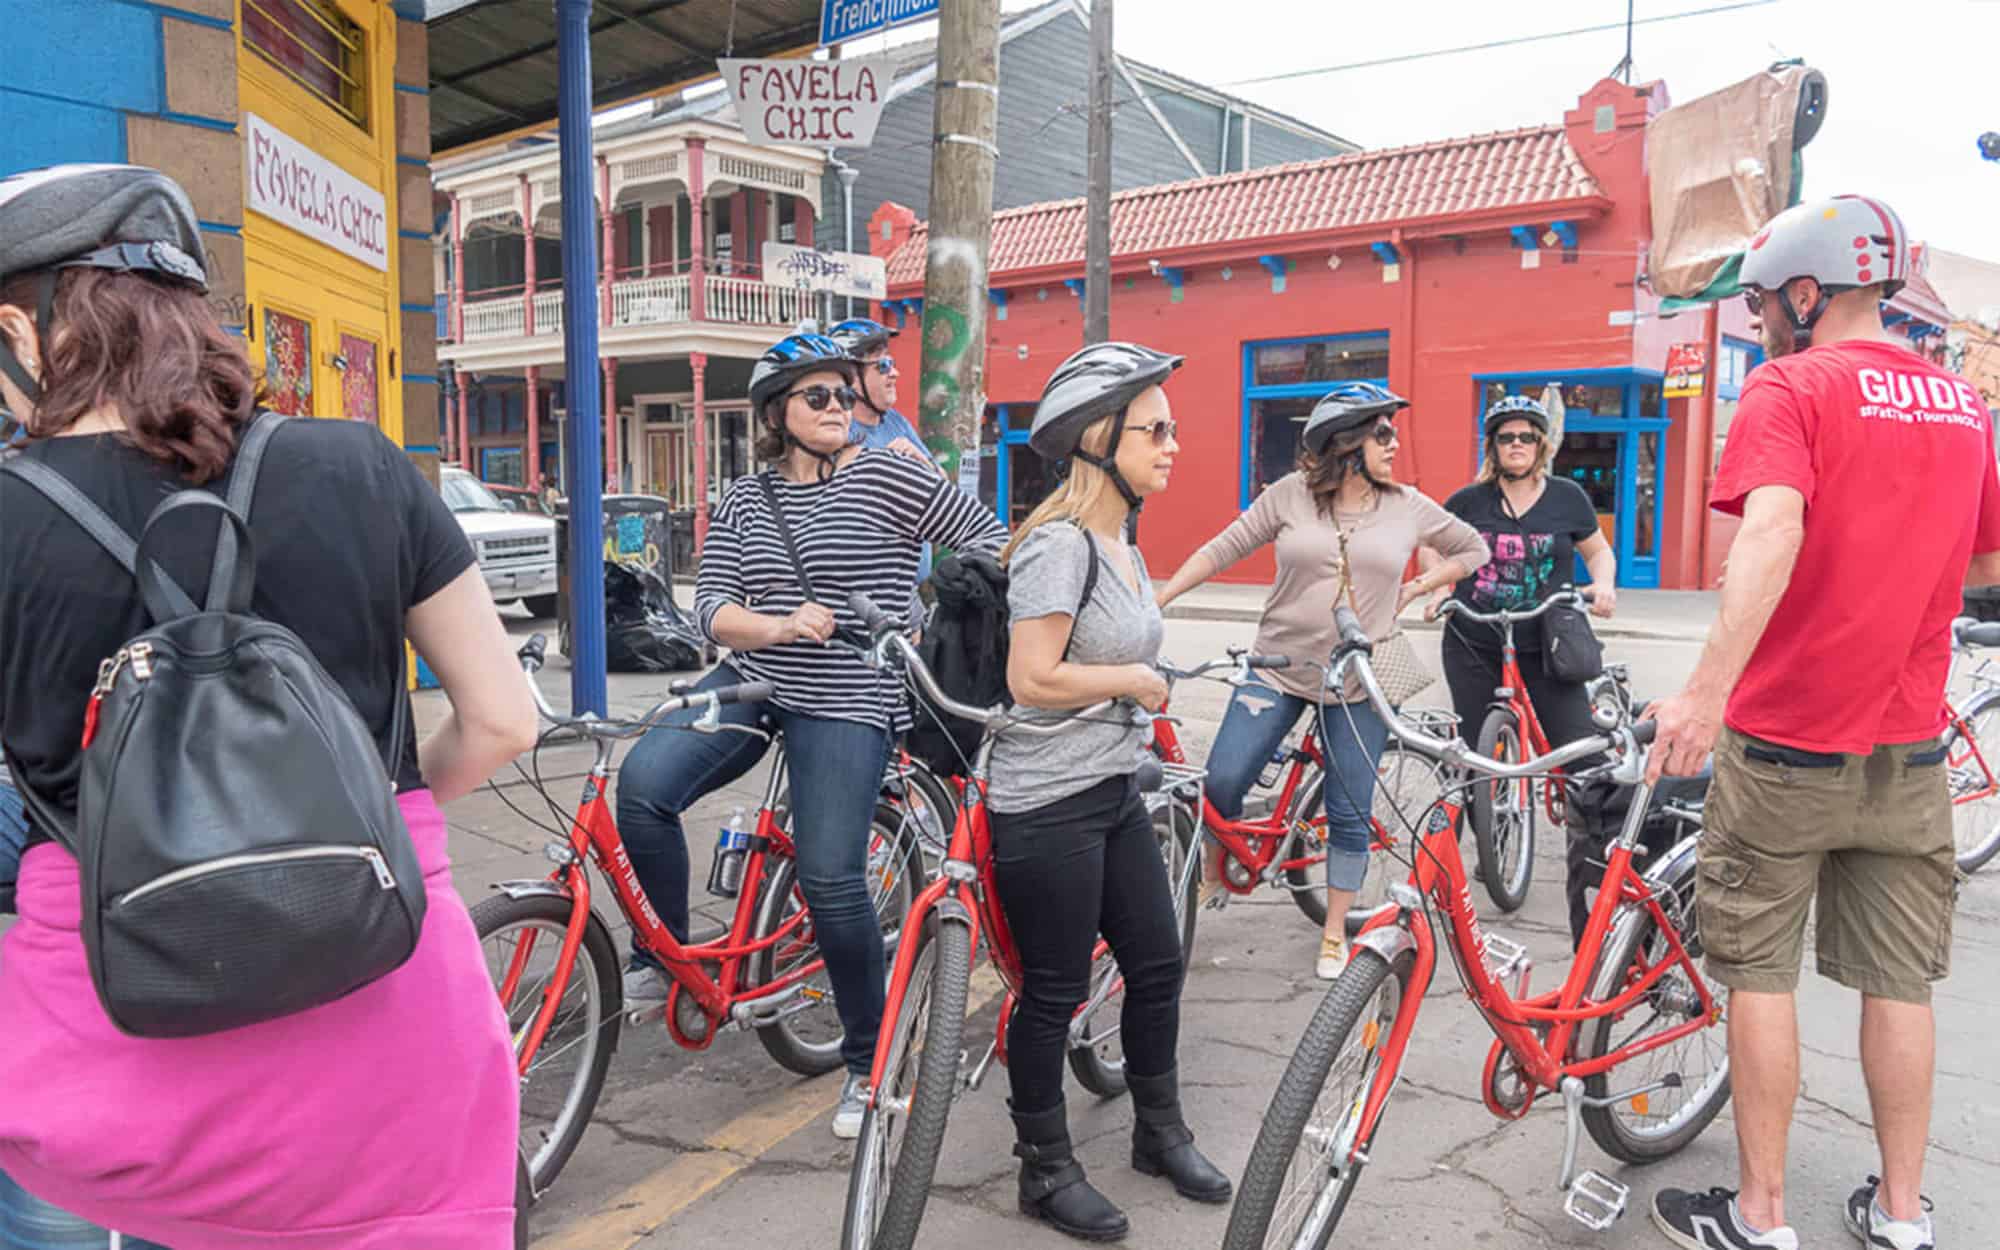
x=493, y=65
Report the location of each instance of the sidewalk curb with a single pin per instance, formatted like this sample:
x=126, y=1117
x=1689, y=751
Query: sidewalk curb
x=1613, y=629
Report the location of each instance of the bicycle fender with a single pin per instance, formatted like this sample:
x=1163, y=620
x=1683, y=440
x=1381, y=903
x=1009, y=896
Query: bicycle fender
x=951, y=908
x=1388, y=941
x=1978, y=703
x=539, y=887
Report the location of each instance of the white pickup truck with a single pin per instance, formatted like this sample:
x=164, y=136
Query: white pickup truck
x=516, y=550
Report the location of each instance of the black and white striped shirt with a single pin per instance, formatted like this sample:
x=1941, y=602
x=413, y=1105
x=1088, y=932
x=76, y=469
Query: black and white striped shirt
x=860, y=530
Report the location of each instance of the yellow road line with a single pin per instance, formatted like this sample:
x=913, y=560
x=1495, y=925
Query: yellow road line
x=646, y=1206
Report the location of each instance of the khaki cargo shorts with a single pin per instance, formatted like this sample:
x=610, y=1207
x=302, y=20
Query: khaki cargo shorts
x=1867, y=837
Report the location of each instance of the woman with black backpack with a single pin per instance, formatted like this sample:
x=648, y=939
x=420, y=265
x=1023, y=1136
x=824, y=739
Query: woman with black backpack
x=385, y=1115
x=1073, y=844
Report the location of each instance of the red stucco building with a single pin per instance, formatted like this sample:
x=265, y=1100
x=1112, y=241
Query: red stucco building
x=1453, y=271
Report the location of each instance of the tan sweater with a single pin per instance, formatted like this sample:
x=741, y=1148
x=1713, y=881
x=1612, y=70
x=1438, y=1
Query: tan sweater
x=1298, y=617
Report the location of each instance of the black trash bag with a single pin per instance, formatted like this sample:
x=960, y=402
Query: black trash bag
x=644, y=629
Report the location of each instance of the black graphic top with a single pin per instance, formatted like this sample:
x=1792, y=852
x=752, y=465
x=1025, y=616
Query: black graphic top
x=1534, y=554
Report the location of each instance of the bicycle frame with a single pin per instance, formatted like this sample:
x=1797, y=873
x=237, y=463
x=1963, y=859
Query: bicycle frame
x=1962, y=752
x=1440, y=876
x=593, y=837
x=1256, y=843
x=1512, y=694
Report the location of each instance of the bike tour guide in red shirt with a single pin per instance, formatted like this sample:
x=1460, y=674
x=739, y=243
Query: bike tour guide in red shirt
x=1865, y=479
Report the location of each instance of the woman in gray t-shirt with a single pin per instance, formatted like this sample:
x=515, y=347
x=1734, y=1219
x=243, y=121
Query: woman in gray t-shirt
x=1073, y=847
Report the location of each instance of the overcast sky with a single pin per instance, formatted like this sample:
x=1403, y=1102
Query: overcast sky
x=1911, y=85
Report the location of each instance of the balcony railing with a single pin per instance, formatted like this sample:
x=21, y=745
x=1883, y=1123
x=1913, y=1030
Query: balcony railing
x=664, y=300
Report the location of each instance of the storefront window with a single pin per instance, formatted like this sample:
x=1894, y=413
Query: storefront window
x=501, y=466
x=288, y=364
x=1645, y=495
x=314, y=45
x=1274, y=438
x=1595, y=401
x=1348, y=358
x=1650, y=399
x=359, y=381
x=1591, y=461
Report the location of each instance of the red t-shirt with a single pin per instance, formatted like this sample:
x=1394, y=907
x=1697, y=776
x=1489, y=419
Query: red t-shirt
x=1895, y=458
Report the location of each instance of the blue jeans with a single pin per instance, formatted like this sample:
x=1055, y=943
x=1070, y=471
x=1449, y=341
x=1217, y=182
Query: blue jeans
x=28, y=1223
x=1253, y=728
x=836, y=774
x=13, y=840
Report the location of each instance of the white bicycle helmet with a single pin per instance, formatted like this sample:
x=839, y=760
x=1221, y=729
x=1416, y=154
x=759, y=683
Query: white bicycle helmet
x=1101, y=379
x=1844, y=243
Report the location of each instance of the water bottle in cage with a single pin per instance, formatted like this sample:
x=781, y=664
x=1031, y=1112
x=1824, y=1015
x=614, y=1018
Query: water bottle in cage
x=725, y=871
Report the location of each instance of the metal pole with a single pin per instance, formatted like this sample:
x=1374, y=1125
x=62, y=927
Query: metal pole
x=583, y=432
x=848, y=175
x=1097, y=213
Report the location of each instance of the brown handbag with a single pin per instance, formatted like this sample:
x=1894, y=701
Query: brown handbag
x=1398, y=671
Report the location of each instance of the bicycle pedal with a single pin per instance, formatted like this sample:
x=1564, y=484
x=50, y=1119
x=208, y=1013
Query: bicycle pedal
x=1595, y=1200
x=1504, y=957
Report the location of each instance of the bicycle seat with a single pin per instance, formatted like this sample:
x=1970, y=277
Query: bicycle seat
x=1967, y=632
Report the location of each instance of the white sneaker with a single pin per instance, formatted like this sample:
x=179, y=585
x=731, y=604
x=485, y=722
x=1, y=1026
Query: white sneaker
x=644, y=984
x=853, y=1106
x=1333, y=954
x=1867, y=1220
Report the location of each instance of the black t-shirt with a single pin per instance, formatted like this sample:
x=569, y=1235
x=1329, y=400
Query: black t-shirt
x=347, y=532
x=1534, y=554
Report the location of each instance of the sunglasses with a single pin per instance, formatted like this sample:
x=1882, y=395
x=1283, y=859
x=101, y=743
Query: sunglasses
x=886, y=366
x=1384, y=434
x=1754, y=300
x=817, y=397
x=1507, y=438
x=1162, y=431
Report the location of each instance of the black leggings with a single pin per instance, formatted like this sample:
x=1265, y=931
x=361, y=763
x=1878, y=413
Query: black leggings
x=1081, y=866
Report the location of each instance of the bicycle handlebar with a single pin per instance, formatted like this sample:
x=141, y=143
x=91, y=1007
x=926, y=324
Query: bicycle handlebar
x=534, y=654
x=1560, y=599
x=1239, y=660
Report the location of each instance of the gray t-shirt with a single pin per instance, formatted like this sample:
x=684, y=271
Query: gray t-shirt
x=1118, y=626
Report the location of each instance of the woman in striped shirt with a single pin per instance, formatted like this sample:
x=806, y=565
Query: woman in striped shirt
x=859, y=518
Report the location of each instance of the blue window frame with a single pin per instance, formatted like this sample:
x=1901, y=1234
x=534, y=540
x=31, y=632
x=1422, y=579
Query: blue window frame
x=1282, y=380
x=1016, y=468
x=1618, y=415
x=1739, y=357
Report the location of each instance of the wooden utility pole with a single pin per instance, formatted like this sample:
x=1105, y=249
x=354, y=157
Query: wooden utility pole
x=1097, y=208
x=952, y=386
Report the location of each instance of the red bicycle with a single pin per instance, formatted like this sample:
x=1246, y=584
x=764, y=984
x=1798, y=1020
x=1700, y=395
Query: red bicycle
x=1281, y=847
x=1504, y=812
x=1634, y=996
x=1972, y=743
x=919, y=1064
x=558, y=972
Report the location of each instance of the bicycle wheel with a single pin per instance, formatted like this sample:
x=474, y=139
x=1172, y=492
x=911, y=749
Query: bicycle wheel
x=806, y=1036
x=931, y=804
x=1973, y=766
x=1651, y=1126
x=903, y=1130
x=566, y=1074
x=1307, y=1160
x=1405, y=781
x=1503, y=815
x=1097, y=1054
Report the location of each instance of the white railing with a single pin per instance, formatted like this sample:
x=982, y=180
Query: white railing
x=747, y=301
x=548, y=312
x=651, y=301
x=505, y=318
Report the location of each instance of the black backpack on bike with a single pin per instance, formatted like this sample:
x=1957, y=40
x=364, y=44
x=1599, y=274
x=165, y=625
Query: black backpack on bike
x=965, y=646
x=242, y=854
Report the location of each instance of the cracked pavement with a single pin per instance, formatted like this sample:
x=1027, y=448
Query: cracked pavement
x=668, y=1147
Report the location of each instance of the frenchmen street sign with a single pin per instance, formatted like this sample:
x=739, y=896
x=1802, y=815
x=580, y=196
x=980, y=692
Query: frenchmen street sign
x=821, y=104
x=850, y=19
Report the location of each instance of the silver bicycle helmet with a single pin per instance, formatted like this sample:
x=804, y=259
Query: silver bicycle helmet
x=1517, y=408
x=1844, y=243
x=1348, y=406
x=1094, y=383
x=125, y=218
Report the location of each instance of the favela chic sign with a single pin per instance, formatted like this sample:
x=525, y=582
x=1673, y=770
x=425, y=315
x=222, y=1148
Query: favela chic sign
x=821, y=104
x=289, y=182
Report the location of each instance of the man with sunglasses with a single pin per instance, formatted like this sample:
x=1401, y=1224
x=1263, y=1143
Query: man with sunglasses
x=876, y=421
x=1865, y=478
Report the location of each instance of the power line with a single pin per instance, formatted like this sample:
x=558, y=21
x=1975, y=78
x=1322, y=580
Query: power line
x=1496, y=43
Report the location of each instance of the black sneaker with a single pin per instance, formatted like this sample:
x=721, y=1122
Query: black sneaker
x=1710, y=1221
x=1867, y=1220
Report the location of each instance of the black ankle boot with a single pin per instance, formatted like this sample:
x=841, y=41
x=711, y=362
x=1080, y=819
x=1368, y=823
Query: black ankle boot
x=1053, y=1186
x=1162, y=1144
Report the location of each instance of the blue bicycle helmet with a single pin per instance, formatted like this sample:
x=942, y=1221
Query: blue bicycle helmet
x=791, y=358
x=1517, y=408
x=861, y=335
x=1348, y=406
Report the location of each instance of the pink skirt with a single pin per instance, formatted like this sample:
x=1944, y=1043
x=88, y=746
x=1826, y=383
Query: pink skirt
x=384, y=1121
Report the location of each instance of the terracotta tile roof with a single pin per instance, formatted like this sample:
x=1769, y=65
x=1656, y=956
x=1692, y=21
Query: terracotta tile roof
x=1440, y=179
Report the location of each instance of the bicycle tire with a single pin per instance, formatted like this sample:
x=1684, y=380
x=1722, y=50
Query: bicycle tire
x=941, y=801
x=548, y=1150
x=1973, y=847
x=783, y=1040
x=1628, y=942
x=1174, y=824
x=1500, y=739
x=937, y=1002
x=1383, y=870
x=1342, y=1012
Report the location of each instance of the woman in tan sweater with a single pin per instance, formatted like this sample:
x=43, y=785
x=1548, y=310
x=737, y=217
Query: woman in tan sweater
x=1343, y=487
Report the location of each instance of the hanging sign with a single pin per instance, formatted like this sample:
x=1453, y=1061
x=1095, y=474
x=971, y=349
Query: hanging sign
x=1686, y=365
x=850, y=19
x=290, y=183
x=817, y=104
x=838, y=273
